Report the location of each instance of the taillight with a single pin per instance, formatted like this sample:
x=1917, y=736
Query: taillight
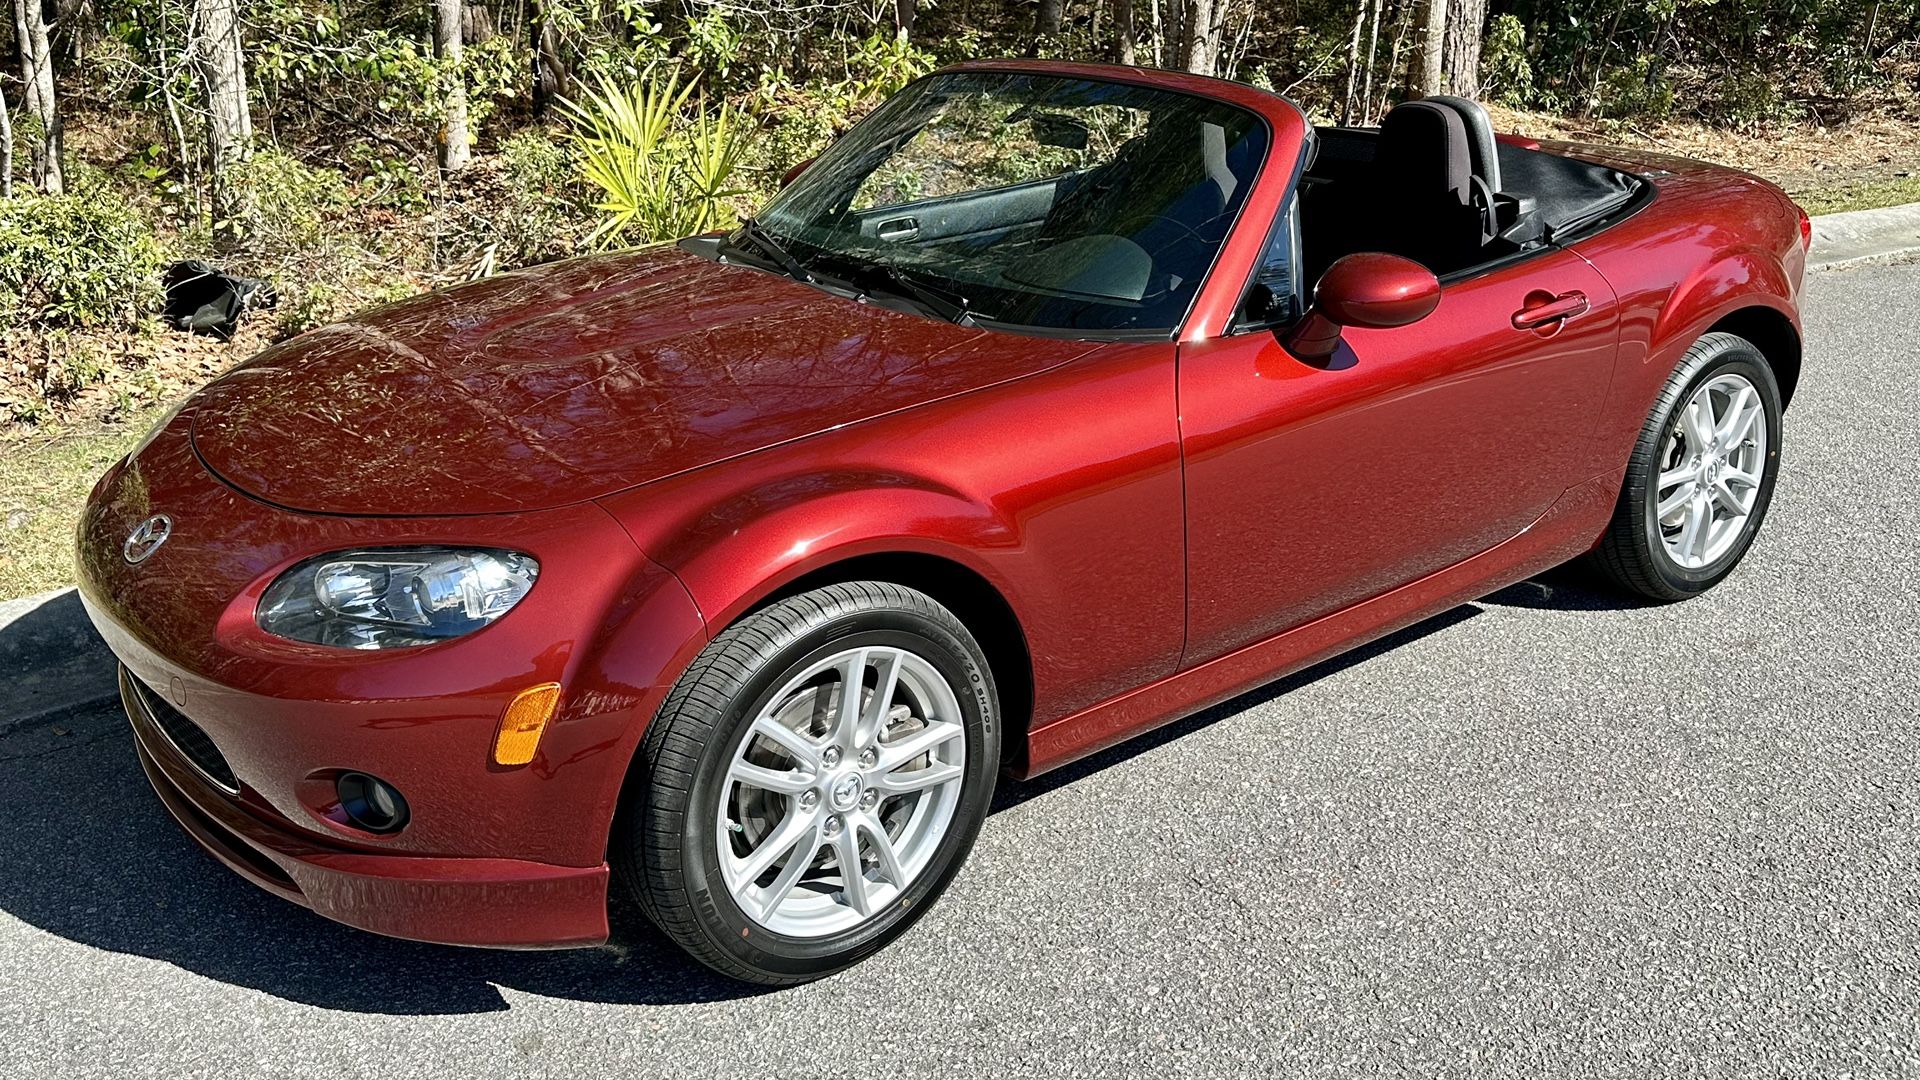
x=1806, y=229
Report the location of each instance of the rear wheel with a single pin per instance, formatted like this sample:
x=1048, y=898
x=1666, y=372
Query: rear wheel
x=1701, y=476
x=813, y=782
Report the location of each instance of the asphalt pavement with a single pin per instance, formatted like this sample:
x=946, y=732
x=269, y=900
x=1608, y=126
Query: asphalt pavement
x=1548, y=833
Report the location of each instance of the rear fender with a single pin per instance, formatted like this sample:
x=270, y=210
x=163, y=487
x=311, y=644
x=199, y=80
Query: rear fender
x=1738, y=279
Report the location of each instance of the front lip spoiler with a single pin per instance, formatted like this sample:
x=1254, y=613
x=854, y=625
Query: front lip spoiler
x=494, y=903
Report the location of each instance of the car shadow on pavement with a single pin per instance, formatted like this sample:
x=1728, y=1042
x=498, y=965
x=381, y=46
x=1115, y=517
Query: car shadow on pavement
x=1011, y=794
x=1565, y=588
x=92, y=858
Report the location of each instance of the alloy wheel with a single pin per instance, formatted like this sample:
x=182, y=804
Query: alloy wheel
x=839, y=793
x=1711, y=463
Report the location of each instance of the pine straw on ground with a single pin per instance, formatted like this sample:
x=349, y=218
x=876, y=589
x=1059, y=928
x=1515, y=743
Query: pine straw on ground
x=1871, y=160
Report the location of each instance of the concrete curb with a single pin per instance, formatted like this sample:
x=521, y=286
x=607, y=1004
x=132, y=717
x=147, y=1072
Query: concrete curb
x=52, y=663
x=1865, y=236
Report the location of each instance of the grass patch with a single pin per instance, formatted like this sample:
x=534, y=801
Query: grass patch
x=44, y=481
x=1861, y=195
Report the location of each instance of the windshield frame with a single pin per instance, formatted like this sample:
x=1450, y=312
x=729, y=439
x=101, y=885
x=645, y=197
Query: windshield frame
x=1234, y=97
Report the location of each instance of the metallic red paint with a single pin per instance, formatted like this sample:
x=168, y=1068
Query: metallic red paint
x=1168, y=522
x=548, y=386
x=1368, y=289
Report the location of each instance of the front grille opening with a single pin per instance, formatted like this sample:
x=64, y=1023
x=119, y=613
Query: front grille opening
x=186, y=738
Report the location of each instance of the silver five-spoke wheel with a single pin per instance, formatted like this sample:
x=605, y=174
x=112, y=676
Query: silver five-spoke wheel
x=1712, y=460
x=840, y=791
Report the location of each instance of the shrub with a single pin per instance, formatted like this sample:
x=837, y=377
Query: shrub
x=282, y=204
x=86, y=259
x=542, y=213
x=1506, y=75
x=1640, y=88
x=658, y=177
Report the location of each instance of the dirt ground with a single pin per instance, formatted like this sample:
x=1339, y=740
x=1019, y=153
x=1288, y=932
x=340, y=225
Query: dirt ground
x=1867, y=161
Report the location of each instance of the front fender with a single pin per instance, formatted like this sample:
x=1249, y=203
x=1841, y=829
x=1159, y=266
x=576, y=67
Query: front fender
x=1061, y=491
x=750, y=544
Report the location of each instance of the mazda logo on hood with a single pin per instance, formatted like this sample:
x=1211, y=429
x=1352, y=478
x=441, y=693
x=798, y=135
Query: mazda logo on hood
x=146, y=538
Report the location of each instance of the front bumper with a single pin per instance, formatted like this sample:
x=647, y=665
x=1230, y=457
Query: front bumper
x=502, y=903
x=491, y=854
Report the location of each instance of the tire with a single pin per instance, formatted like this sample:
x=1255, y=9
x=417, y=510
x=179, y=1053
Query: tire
x=1672, y=556
x=708, y=750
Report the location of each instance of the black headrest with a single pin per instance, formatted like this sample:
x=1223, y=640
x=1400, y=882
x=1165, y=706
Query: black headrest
x=1424, y=152
x=1482, y=148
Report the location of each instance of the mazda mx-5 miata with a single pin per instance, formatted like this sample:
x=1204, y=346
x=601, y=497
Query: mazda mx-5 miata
x=1051, y=403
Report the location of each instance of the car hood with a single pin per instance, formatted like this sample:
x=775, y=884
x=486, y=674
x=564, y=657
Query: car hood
x=567, y=382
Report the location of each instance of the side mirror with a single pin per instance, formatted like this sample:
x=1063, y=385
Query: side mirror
x=1370, y=289
x=793, y=174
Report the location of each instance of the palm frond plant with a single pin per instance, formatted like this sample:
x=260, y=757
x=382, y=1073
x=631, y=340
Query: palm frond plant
x=658, y=175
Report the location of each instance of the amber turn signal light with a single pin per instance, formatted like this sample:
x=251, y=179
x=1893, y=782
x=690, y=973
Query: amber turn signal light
x=520, y=726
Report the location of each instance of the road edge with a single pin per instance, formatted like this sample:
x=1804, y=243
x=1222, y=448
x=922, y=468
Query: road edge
x=1859, y=237
x=53, y=663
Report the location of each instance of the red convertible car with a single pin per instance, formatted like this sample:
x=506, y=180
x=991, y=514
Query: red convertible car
x=1051, y=403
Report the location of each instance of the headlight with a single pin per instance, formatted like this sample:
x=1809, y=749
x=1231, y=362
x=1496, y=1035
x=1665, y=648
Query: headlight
x=386, y=598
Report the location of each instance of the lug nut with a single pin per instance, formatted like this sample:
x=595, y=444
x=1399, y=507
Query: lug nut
x=868, y=757
x=831, y=757
x=833, y=826
x=870, y=800
x=809, y=800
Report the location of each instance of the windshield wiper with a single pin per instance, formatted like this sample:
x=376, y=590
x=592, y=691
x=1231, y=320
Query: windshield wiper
x=771, y=247
x=940, y=303
x=944, y=305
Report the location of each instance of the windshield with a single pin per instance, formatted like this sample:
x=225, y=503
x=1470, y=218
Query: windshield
x=1028, y=200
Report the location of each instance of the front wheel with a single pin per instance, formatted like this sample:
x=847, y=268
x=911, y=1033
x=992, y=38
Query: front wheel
x=1701, y=475
x=813, y=782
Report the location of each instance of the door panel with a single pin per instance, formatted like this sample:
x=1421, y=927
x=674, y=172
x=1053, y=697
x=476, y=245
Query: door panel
x=1310, y=489
x=991, y=213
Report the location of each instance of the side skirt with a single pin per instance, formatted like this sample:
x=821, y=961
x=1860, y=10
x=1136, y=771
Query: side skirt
x=1568, y=528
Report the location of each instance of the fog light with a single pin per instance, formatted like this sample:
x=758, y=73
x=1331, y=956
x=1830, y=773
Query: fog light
x=371, y=803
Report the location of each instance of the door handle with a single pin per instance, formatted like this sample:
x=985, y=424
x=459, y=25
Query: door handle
x=905, y=228
x=1543, y=308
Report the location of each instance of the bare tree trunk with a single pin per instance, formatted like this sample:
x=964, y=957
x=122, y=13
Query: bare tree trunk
x=476, y=22
x=904, y=12
x=1046, y=23
x=1398, y=62
x=1200, y=36
x=1123, y=43
x=1429, y=77
x=6, y=147
x=222, y=70
x=1465, y=30
x=36, y=71
x=454, y=151
x=1353, y=64
x=551, y=76
x=1373, y=50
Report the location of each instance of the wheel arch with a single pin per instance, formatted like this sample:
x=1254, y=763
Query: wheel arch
x=1775, y=335
x=1744, y=290
x=975, y=600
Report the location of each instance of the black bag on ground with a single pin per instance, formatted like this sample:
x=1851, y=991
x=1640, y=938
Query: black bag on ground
x=205, y=300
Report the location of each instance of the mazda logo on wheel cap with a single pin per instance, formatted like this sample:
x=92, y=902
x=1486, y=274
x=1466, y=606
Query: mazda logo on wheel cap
x=846, y=792
x=146, y=538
